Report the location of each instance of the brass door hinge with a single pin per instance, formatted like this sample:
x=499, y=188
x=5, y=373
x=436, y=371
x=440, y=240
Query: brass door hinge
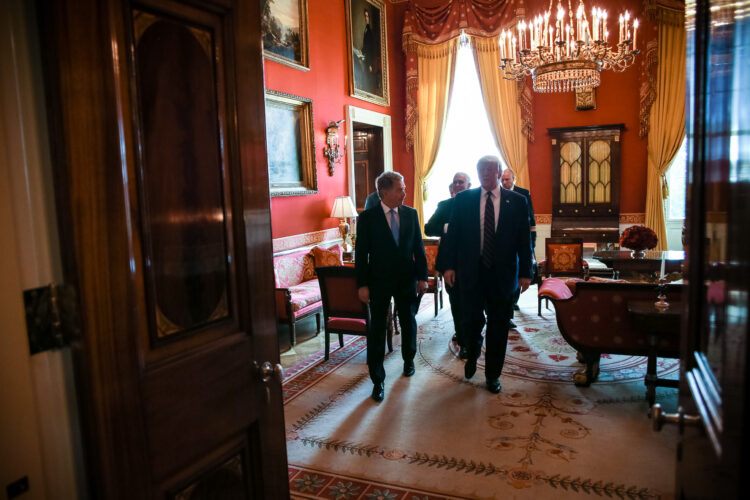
x=51, y=316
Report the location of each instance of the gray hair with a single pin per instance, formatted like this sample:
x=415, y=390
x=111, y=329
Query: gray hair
x=465, y=176
x=489, y=159
x=386, y=179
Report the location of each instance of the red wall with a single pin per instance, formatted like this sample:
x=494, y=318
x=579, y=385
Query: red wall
x=617, y=101
x=326, y=83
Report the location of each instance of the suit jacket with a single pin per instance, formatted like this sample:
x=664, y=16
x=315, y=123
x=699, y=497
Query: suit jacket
x=439, y=219
x=527, y=194
x=462, y=251
x=381, y=265
x=372, y=200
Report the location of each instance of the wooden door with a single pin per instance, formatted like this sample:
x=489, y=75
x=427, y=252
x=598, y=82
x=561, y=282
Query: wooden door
x=368, y=162
x=713, y=452
x=158, y=131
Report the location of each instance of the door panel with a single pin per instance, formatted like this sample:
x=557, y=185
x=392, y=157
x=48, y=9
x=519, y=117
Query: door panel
x=368, y=161
x=183, y=177
x=164, y=204
x=182, y=189
x=712, y=454
x=361, y=168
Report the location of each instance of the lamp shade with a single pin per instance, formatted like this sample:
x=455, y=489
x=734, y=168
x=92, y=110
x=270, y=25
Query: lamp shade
x=343, y=207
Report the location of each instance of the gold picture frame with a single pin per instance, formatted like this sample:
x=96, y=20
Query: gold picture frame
x=285, y=33
x=585, y=99
x=290, y=145
x=367, y=48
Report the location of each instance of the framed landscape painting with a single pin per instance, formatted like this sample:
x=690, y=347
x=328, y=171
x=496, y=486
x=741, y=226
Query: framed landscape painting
x=368, y=54
x=284, y=25
x=290, y=143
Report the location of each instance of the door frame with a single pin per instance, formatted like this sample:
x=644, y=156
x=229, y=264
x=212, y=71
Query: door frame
x=367, y=117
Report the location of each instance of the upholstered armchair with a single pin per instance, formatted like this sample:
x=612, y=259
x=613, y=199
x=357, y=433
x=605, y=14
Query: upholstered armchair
x=434, y=278
x=563, y=258
x=343, y=312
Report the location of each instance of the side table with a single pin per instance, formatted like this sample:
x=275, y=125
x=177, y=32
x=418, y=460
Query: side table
x=656, y=324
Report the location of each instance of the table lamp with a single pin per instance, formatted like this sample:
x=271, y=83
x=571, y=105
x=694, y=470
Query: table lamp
x=343, y=208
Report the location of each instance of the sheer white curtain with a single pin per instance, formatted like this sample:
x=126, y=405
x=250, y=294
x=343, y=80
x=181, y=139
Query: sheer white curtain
x=467, y=136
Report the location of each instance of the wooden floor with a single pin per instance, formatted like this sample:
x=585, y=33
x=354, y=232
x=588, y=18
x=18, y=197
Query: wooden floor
x=308, y=342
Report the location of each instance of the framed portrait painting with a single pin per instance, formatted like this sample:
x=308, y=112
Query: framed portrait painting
x=284, y=25
x=368, y=54
x=290, y=143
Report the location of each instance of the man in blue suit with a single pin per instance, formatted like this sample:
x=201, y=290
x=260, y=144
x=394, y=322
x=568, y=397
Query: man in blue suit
x=390, y=263
x=488, y=252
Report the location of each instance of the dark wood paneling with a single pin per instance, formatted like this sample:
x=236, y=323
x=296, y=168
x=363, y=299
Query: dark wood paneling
x=160, y=417
x=368, y=161
x=593, y=222
x=181, y=167
x=182, y=424
x=254, y=203
x=87, y=130
x=713, y=457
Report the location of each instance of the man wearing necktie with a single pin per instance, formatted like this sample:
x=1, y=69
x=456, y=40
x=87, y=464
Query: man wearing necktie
x=487, y=251
x=390, y=263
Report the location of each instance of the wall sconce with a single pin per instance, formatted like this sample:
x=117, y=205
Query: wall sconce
x=331, y=151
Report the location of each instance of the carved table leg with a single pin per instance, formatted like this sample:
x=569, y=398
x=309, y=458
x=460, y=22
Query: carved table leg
x=589, y=373
x=651, y=378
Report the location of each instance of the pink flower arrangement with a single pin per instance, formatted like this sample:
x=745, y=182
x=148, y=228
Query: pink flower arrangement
x=638, y=238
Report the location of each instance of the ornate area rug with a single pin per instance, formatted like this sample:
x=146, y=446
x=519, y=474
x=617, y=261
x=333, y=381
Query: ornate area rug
x=437, y=435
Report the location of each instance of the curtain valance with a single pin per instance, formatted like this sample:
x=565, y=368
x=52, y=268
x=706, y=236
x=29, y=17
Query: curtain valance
x=424, y=26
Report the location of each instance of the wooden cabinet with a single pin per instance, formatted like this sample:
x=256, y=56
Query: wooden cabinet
x=586, y=182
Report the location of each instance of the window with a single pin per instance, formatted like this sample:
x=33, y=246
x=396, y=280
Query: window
x=467, y=135
x=676, y=178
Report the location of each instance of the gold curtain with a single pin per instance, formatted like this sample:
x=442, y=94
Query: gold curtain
x=667, y=121
x=503, y=110
x=436, y=66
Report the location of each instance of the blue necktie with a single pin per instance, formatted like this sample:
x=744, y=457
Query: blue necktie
x=394, y=225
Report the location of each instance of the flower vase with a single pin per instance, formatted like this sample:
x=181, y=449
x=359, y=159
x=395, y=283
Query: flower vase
x=638, y=254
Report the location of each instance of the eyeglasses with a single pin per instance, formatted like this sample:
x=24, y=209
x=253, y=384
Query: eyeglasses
x=459, y=181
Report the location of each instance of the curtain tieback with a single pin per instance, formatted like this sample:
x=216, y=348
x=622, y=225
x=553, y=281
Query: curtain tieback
x=664, y=187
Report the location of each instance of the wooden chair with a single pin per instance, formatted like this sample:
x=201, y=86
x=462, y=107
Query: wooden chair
x=434, y=278
x=343, y=312
x=563, y=257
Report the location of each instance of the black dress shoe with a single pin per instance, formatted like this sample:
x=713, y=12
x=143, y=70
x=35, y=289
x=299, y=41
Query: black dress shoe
x=516, y=308
x=463, y=353
x=494, y=386
x=511, y=324
x=378, y=392
x=408, y=368
x=470, y=368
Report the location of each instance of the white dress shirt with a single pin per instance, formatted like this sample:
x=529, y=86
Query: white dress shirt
x=387, y=211
x=482, y=203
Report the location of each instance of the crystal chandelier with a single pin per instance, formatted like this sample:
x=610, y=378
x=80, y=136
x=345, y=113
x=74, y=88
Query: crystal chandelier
x=567, y=54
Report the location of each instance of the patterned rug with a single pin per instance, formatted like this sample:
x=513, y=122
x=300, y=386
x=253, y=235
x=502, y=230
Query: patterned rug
x=438, y=435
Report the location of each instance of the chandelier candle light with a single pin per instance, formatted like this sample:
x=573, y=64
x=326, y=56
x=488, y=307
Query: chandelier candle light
x=567, y=53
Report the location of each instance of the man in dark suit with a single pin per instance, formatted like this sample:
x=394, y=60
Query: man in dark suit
x=390, y=262
x=437, y=226
x=508, y=180
x=372, y=200
x=437, y=223
x=488, y=252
